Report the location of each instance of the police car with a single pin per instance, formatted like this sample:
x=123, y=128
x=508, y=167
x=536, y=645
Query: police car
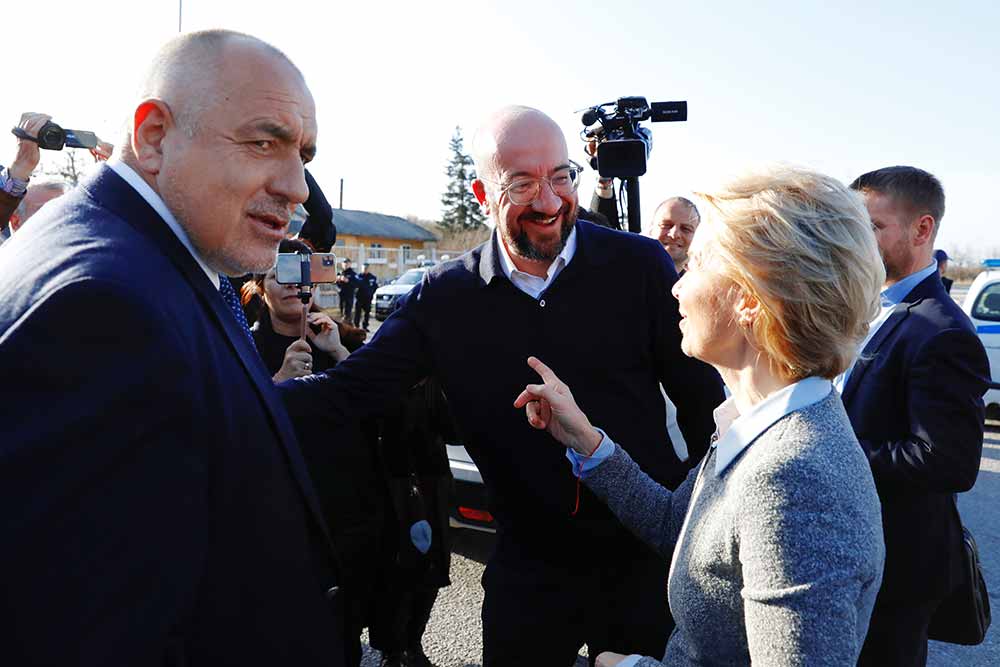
x=982, y=305
x=388, y=296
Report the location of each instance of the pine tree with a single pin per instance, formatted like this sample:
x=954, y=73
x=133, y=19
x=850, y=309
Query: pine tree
x=461, y=210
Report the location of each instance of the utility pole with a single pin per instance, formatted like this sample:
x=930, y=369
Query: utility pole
x=341, y=194
x=180, y=12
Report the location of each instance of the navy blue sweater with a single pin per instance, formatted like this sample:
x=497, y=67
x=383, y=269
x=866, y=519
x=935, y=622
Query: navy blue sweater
x=469, y=326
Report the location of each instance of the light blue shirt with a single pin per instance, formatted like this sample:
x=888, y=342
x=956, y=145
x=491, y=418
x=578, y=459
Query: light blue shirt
x=890, y=298
x=733, y=432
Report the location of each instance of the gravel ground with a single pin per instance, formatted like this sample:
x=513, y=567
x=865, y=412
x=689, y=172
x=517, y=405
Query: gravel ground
x=454, y=636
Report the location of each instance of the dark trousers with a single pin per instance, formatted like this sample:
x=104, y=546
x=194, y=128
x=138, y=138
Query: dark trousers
x=541, y=615
x=365, y=306
x=897, y=634
x=400, y=618
x=346, y=305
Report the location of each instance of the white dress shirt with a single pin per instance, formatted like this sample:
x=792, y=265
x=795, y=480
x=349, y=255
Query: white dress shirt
x=531, y=285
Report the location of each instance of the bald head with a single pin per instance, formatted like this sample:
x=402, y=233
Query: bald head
x=221, y=133
x=673, y=225
x=37, y=195
x=522, y=148
x=191, y=72
x=510, y=131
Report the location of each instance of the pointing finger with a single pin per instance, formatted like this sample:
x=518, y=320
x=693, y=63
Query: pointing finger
x=544, y=371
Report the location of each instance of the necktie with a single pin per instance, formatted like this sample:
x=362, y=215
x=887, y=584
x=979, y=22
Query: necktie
x=229, y=296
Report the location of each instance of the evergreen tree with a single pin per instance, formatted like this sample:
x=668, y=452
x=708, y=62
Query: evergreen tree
x=461, y=210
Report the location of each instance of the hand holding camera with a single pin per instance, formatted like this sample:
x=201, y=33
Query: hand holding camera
x=28, y=154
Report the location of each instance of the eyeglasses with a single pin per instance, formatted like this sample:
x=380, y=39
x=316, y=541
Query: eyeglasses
x=523, y=191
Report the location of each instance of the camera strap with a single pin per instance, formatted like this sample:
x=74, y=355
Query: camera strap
x=21, y=134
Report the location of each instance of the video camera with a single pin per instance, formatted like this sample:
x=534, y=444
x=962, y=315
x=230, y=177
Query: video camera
x=623, y=145
x=53, y=137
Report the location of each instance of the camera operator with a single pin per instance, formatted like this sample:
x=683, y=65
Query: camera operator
x=20, y=200
x=603, y=203
x=14, y=179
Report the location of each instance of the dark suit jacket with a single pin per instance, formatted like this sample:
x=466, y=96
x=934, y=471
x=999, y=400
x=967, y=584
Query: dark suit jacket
x=155, y=507
x=915, y=400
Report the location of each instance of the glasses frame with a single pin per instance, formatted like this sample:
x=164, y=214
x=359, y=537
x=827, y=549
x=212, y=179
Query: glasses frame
x=505, y=189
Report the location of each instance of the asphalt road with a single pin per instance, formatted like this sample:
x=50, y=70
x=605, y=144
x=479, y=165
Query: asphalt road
x=454, y=635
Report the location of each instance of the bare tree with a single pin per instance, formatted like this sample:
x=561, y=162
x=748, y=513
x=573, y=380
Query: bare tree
x=71, y=165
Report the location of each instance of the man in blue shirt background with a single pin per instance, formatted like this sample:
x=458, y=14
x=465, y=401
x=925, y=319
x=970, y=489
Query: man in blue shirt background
x=914, y=397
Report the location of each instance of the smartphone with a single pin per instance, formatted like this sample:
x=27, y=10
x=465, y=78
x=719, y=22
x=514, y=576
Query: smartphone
x=298, y=269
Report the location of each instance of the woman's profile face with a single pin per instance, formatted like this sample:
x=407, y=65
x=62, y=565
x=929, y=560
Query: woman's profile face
x=282, y=300
x=708, y=302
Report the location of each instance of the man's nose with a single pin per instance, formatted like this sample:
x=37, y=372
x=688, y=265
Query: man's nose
x=547, y=201
x=290, y=182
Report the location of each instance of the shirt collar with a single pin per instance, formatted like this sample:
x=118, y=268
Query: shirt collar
x=737, y=432
x=519, y=277
x=894, y=295
x=154, y=200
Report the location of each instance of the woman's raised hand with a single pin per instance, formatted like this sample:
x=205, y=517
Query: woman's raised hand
x=550, y=406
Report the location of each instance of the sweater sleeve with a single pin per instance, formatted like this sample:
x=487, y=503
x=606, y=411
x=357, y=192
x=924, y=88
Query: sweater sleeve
x=652, y=512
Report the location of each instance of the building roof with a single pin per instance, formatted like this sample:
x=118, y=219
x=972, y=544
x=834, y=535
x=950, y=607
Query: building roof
x=379, y=225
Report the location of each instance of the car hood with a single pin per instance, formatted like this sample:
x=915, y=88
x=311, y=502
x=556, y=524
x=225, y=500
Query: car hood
x=393, y=289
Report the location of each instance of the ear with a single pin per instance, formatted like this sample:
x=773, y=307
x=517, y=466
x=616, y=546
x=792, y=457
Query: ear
x=479, y=189
x=747, y=309
x=923, y=230
x=150, y=125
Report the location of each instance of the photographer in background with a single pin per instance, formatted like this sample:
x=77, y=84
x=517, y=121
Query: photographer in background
x=603, y=203
x=14, y=179
x=18, y=199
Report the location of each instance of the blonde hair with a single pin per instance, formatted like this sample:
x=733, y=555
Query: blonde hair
x=802, y=244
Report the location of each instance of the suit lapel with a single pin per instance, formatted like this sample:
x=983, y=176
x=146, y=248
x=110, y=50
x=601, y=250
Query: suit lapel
x=924, y=289
x=112, y=192
x=868, y=355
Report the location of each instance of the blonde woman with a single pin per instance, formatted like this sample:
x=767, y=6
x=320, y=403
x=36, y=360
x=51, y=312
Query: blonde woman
x=776, y=537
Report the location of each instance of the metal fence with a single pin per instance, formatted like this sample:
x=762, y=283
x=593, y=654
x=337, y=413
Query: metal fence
x=386, y=263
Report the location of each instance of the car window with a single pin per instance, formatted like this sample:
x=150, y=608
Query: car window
x=410, y=278
x=987, y=306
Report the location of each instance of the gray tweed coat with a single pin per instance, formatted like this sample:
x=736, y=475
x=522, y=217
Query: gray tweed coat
x=777, y=560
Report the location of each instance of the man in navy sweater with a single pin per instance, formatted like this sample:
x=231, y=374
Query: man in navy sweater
x=535, y=288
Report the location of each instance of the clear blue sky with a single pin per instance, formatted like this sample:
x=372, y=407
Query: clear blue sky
x=844, y=88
